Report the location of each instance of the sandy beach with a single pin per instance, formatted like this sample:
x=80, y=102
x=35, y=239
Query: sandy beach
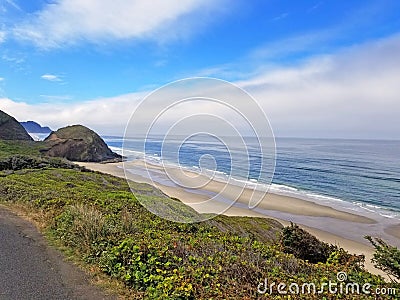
x=393, y=230
x=343, y=228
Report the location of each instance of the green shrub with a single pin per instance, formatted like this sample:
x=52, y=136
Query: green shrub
x=386, y=257
x=25, y=148
x=304, y=245
x=20, y=162
x=97, y=218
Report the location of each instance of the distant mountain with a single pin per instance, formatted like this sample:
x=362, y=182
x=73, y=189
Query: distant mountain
x=10, y=129
x=79, y=143
x=33, y=127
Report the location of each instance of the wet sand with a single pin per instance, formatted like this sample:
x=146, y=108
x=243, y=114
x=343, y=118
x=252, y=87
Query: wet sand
x=393, y=230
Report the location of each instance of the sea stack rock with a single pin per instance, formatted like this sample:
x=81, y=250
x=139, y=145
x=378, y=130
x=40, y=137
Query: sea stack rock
x=79, y=143
x=10, y=129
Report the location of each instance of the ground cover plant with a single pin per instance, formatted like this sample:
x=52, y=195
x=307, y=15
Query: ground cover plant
x=101, y=223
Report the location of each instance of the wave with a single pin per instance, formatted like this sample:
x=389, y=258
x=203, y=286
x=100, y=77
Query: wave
x=275, y=188
x=38, y=136
x=382, y=211
x=131, y=154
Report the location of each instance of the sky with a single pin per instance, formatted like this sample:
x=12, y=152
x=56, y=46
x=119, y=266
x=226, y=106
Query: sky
x=317, y=68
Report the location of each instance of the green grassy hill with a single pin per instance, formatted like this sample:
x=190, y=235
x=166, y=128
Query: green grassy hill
x=11, y=148
x=10, y=129
x=100, y=222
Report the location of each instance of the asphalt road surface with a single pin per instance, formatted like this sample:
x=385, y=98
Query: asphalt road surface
x=30, y=269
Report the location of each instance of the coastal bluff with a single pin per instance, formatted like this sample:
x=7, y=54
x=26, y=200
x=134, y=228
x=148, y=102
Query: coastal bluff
x=78, y=143
x=11, y=129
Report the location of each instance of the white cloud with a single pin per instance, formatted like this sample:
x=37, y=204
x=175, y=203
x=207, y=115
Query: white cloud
x=280, y=17
x=106, y=116
x=321, y=40
x=351, y=94
x=12, y=59
x=51, y=77
x=296, y=44
x=2, y=36
x=56, y=98
x=13, y=4
x=315, y=6
x=1, y=79
x=70, y=21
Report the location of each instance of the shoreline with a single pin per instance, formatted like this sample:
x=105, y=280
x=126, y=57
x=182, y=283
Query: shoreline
x=331, y=225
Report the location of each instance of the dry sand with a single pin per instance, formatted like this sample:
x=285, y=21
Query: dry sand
x=271, y=206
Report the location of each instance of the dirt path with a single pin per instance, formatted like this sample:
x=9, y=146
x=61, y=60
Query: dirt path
x=30, y=269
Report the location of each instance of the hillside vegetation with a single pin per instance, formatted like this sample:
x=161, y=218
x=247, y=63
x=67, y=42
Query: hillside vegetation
x=97, y=218
x=18, y=155
x=10, y=129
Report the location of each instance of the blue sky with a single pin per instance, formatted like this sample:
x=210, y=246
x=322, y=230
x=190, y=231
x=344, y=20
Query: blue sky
x=73, y=55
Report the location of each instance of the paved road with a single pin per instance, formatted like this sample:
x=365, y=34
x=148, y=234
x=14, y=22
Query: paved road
x=30, y=269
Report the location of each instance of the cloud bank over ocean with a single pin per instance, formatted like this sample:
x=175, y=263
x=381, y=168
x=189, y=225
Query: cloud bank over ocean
x=352, y=93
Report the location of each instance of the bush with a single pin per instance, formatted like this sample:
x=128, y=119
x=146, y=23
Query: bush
x=304, y=245
x=20, y=162
x=96, y=217
x=386, y=258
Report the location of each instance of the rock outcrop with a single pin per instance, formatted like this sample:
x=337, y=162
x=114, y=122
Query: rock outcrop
x=10, y=129
x=79, y=143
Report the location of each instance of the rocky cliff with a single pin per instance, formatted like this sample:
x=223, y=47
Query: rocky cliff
x=10, y=129
x=79, y=143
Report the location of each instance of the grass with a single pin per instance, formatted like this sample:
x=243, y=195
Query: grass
x=98, y=220
x=18, y=155
x=101, y=222
x=22, y=148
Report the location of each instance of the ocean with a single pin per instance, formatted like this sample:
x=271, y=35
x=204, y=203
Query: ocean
x=359, y=175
